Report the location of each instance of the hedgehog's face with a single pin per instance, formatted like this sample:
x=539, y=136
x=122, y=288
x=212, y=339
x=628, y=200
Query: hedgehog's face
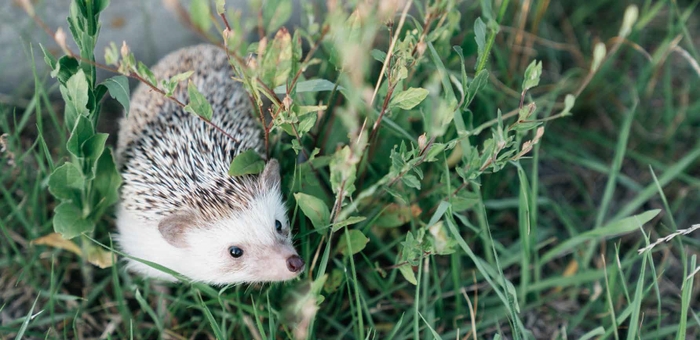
x=252, y=245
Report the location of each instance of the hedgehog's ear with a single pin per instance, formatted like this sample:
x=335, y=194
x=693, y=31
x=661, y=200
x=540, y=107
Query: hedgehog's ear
x=270, y=177
x=174, y=227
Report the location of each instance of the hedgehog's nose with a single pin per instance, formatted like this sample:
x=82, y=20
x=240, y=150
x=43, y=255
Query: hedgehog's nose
x=295, y=264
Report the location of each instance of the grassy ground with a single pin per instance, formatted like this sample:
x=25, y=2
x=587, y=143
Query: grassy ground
x=545, y=248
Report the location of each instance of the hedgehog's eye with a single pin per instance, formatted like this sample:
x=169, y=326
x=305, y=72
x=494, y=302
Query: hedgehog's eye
x=235, y=252
x=278, y=226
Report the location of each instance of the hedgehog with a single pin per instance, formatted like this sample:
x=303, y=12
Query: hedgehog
x=178, y=206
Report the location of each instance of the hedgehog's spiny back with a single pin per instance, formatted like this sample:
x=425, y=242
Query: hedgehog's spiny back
x=170, y=159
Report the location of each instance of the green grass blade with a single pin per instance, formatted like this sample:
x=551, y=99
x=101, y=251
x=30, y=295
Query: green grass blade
x=595, y=332
x=27, y=319
x=396, y=328
x=649, y=191
x=620, y=151
x=636, y=306
x=686, y=293
x=526, y=237
x=146, y=307
x=432, y=331
x=618, y=228
x=611, y=306
x=207, y=313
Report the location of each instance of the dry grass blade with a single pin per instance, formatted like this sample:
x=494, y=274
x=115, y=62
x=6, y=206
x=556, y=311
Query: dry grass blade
x=669, y=237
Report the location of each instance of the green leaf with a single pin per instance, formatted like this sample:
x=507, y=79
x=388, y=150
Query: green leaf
x=349, y=221
x=246, y=163
x=402, y=73
x=434, y=150
x=412, y=249
x=318, y=284
x=313, y=85
x=357, y=242
x=171, y=84
x=411, y=181
x=277, y=62
x=198, y=103
x=302, y=110
x=438, y=118
x=107, y=181
x=146, y=73
x=65, y=68
x=315, y=209
x=220, y=6
x=100, y=5
x=295, y=143
x=394, y=215
x=82, y=131
x=49, y=59
x=464, y=78
x=200, y=14
x=475, y=86
x=289, y=129
x=406, y=271
x=181, y=76
x=334, y=281
x=526, y=126
x=66, y=182
x=296, y=51
x=69, y=222
x=343, y=171
x=75, y=94
x=480, y=36
x=76, y=13
x=410, y=98
x=464, y=200
x=92, y=150
x=532, y=75
x=276, y=13
x=306, y=123
x=118, y=87
x=378, y=55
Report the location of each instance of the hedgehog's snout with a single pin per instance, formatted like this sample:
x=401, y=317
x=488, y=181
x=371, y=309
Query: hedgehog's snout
x=295, y=264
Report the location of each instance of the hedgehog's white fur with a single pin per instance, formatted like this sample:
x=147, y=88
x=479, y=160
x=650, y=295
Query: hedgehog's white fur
x=174, y=168
x=207, y=257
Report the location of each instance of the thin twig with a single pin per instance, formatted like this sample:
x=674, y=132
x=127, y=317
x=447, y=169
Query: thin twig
x=391, y=49
x=472, y=312
x=384, y=65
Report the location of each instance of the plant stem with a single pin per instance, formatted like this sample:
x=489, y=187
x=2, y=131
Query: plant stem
x=492, y=36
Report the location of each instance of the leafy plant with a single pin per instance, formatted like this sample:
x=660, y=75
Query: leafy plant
x=423, y=168
x=87, y=184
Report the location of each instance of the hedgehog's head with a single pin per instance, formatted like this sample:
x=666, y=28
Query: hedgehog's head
x=249, y=245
